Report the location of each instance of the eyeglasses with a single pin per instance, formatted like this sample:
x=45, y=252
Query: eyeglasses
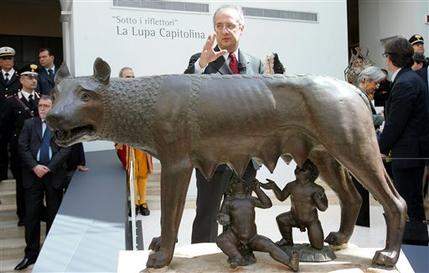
x=229, y=26
x=129, y=77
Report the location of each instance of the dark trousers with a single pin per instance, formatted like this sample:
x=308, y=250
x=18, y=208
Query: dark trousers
x=408, y=183
x=16, y=168
x=4, y=159
x=209, y=196
x=34, y=209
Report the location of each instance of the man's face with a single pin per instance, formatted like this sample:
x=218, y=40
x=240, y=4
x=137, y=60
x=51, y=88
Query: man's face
x=44, y=106
x=29, y=83
x=419, y=48
x=6, y=63
x=128, y=74
x=389, y=65
x=228, y=29
x=45, y=59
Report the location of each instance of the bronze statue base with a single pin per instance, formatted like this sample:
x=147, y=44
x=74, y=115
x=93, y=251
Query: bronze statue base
x=207, y=258
x=310, y=254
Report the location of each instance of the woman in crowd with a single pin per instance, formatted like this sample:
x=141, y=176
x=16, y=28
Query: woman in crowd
x=368, y=81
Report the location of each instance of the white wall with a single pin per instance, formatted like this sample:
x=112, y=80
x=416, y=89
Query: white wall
x=319, y=48
x=380, y=19
x=305, y=48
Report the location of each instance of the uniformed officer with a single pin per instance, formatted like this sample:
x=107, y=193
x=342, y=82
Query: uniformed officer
x=9, y=85
x=18, y=108
x=418, y=43
x=9, y=78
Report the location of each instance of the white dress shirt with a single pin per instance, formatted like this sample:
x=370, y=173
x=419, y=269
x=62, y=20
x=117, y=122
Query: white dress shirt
x=52, y=68
x=10, y=72
x=27, y=95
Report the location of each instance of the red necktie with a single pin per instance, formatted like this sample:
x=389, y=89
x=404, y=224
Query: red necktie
x=233, y=64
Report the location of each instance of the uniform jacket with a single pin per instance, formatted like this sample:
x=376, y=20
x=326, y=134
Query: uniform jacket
x=11, y=87
x=16, y=110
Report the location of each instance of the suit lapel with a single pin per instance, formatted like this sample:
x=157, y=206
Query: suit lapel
x=13, y=79
x=224, y=69
x=243, y=62
x=38, y=122
x=2, y=78
x=46, y=75
x=25, y=101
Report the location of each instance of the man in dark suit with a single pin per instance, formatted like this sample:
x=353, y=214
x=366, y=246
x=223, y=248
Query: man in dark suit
x=47, y=71
x=44, y=171
x=406, y=135
x=9, y=85
x=225, y=58
x=421, y=67
x=18, y=108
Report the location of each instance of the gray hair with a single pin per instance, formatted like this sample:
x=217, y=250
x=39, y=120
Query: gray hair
x=233, y=7
x=46, y=97
x=123, y=69
x=371, y=73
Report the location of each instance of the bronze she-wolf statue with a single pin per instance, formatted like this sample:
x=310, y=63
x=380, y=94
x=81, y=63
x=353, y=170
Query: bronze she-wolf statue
x=200, y=121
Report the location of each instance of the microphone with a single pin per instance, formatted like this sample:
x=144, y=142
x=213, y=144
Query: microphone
x=241, y=68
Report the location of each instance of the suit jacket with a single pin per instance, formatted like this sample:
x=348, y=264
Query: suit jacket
x=247, y=64
x=423, y=73
x=406, y=132
x=30, y=141
x=45, y=83
x=11, y=87
x=76, y=157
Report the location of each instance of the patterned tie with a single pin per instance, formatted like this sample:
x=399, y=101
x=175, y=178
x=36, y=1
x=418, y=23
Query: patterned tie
x=51, y=73
x=44, y=148
x=233, y=64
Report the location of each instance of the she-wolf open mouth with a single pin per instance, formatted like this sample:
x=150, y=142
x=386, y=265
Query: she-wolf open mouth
x=67, y=137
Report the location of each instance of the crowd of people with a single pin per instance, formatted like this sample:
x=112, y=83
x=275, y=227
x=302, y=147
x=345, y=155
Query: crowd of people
x=26, y=142
x=42, y=170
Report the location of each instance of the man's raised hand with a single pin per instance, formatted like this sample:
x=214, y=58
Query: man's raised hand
x=208, y=54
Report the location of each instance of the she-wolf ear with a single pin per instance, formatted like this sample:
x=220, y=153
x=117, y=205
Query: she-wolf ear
x=62, y=73
x=101, y=71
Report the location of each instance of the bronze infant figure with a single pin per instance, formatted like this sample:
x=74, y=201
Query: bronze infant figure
x=306, y=198
x=239, y=238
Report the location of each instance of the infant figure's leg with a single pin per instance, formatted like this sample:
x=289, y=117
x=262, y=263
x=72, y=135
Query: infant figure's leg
x=315, y=234
x=285, y=223
x=228, y=243
x=261, y=243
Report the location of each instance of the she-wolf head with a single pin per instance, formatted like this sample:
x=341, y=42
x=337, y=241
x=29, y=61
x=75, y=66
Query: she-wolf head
x=77, y=112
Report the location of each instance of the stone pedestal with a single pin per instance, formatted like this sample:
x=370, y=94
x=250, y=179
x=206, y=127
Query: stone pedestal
x=207, y=258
